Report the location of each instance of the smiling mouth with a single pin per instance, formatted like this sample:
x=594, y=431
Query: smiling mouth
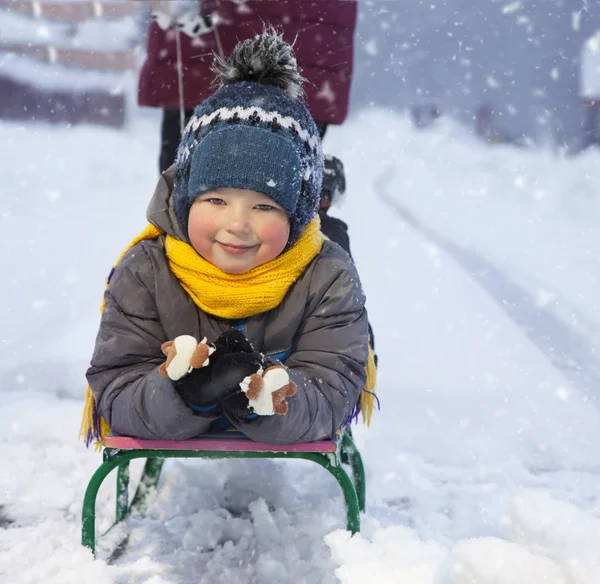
x=239, y=249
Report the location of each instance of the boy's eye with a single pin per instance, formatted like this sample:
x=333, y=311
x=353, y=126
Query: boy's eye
x=215, y=201
x=265, y=207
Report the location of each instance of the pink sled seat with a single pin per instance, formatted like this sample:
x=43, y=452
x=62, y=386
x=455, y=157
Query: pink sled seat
x=214, y=444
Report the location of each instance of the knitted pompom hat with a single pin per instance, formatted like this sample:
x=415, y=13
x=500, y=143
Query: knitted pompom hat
x=253, y=133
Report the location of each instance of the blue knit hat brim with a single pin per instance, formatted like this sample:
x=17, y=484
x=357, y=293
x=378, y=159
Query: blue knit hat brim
x=247, y=157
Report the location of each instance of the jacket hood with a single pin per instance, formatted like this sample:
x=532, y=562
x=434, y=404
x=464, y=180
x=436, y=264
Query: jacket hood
x=161, y=210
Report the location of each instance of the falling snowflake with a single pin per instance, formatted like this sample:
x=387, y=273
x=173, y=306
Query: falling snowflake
x=512, y=7
x=326, y=93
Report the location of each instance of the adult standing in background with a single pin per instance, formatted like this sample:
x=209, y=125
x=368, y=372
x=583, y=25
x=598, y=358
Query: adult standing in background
x=322, y=32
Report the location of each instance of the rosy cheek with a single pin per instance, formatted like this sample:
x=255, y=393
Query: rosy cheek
x=199, y=228
x=275, y=233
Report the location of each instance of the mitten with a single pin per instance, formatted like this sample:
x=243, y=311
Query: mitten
x=248, y=384
x=233, y=359
x=233, y=341
x=227, y=373
x=184, y=354
x=196, y=392
x=266, y=392
x=187, y=365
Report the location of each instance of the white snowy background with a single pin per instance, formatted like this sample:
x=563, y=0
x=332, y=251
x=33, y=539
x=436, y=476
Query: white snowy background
x=481, y=268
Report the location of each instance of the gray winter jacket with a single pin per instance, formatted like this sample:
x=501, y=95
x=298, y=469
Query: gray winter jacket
x=321, y=323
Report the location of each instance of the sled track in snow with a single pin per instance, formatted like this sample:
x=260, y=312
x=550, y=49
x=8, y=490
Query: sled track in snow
x=565, y=348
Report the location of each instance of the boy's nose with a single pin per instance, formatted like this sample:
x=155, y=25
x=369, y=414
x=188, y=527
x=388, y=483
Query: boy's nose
x=238, y=222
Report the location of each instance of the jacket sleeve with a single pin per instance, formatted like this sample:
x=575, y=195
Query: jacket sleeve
x=327, y=364
x=128, y=389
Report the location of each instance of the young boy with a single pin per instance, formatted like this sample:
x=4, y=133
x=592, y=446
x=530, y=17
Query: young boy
x=234, y=253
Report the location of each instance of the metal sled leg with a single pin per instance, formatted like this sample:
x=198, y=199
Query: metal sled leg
x=350, y=453
x=120, y=450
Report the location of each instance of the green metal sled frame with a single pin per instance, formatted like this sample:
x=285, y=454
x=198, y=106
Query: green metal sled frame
x=119, y=450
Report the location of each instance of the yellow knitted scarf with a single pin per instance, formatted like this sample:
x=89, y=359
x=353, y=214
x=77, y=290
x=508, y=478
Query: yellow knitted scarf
x=231, y=296
x=242, y=295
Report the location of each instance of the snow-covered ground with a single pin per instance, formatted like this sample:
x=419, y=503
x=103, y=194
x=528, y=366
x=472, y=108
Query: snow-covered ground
x=482, y=273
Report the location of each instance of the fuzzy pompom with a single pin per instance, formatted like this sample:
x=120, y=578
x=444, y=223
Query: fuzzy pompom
x=265, y=59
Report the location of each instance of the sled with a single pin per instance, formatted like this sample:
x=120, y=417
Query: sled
x=119, y=450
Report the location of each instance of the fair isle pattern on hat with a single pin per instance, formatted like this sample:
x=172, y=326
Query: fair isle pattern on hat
x=254, y=133
x=252, y=114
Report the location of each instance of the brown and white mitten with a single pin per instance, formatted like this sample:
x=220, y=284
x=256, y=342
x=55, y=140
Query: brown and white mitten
x=267, y=390
x=184, y=354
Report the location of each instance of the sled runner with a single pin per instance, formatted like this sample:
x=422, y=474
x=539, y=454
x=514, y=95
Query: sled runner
x=119, y=450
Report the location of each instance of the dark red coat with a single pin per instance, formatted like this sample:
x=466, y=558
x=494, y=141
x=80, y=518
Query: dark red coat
x=322, y=32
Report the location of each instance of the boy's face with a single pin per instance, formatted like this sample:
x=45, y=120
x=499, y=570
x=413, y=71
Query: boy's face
x=237, y=229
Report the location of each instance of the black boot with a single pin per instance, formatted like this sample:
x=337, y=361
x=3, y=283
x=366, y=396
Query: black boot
x=334, y=181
